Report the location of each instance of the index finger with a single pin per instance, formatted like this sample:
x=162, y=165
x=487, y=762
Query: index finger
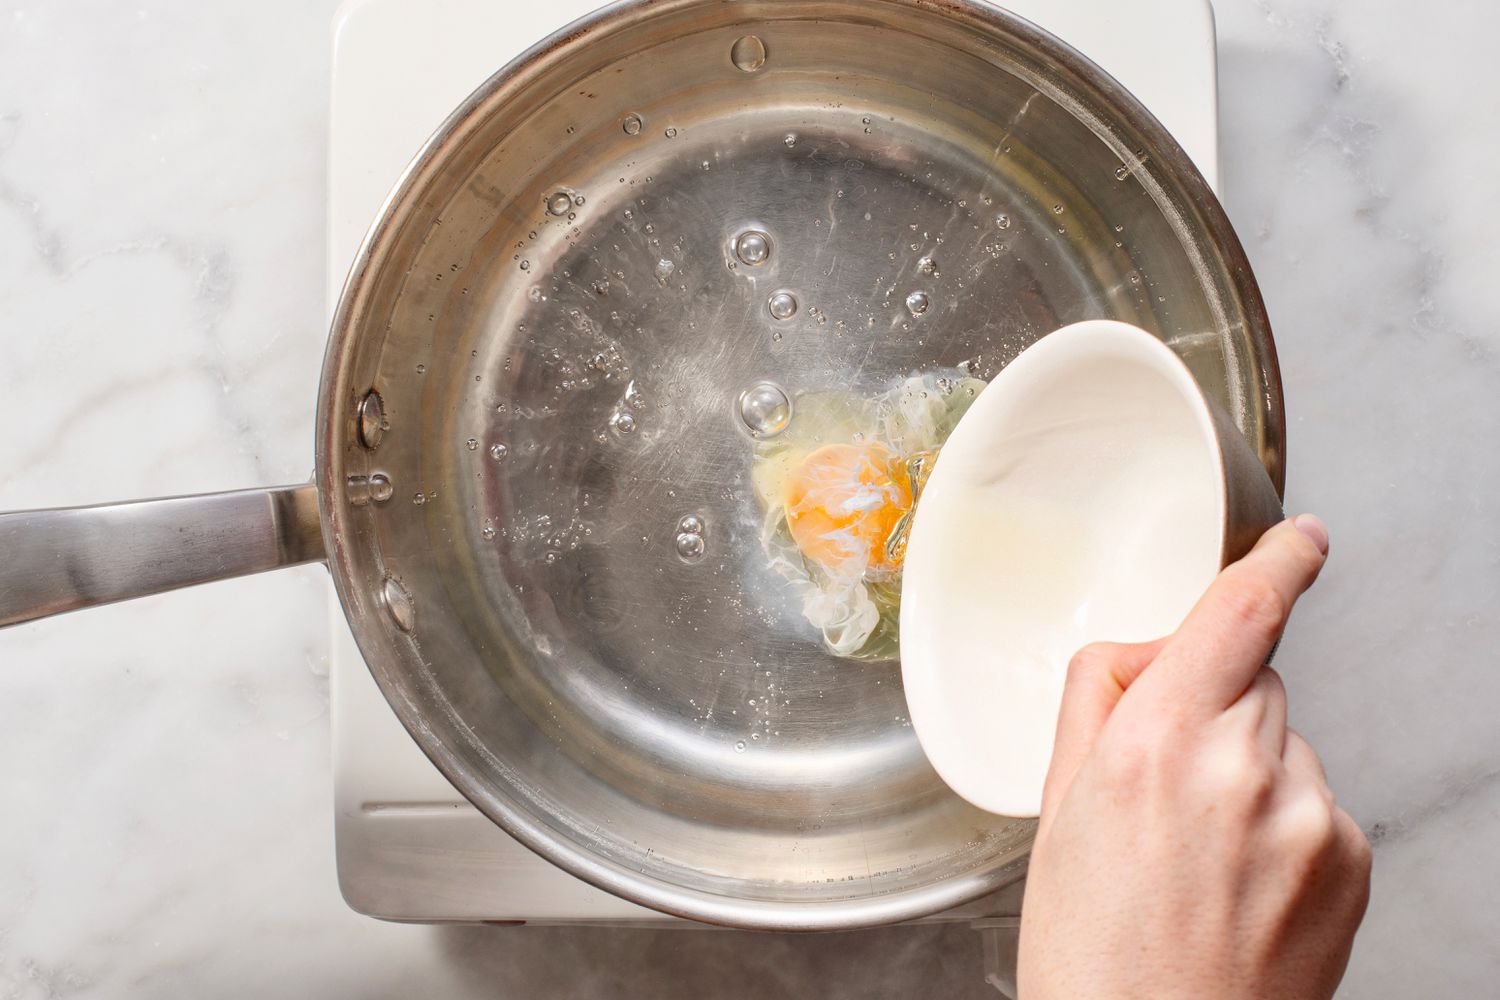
x=1215, y=654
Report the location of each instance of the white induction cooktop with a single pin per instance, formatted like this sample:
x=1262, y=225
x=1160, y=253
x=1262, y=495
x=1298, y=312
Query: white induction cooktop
x=409, y=846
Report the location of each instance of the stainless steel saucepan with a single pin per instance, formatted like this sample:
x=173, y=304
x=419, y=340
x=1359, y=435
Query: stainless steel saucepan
x=535, y=374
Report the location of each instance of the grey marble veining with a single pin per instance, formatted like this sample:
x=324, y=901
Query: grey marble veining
x=166, y=827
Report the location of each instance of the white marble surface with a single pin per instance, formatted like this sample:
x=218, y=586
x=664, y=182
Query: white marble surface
x=166, y=827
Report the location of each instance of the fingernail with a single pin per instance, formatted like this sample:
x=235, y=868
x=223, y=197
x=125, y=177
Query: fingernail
x=1314, y=529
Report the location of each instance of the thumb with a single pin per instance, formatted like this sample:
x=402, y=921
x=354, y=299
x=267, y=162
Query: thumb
x=1097, y=677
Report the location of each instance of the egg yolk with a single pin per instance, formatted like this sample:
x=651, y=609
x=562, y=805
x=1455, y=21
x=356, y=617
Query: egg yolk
x=842, y=504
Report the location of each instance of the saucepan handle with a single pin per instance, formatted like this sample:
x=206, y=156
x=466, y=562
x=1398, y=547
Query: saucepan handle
x=52, y=561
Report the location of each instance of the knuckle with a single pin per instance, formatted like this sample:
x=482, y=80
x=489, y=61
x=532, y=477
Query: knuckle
x=1361, y=854
x=1273, y=681
x=1258, y=606
x=1090, y=660
x=1240, y=777
x=1311, y=826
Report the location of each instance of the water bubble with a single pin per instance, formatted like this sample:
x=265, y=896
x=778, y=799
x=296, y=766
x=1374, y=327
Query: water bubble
x=473, y=444
x=748, y=53
x=1002, y=221
x=559, y=202
x=670, y=133
x=1058, y=210
x=865, y=120
x=381, y=489
x=1122, y=172
x=372, y=423
x=498, y=451
x=601, y=287
x=534, y=293
x=419, y=499
x=664, y=269
x=755, y=736
x=398, y=603
x=927, y=265
x=917, y=303
x=357, y=488
x=739, y=747
x=488, y=531
x=690, y=546
x=752, y=247
x=790, y=140
x=691, y=524
x=783, y=305
x=623, y=423
x=632, y=124
x=765, y=409
x=525, y=265
x=634, y=398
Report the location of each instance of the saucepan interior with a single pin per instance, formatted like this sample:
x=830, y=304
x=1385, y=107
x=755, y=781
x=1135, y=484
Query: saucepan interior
x=560, y=315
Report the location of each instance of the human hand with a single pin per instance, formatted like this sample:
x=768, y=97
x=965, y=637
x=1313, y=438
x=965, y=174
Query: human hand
x=1189, y=845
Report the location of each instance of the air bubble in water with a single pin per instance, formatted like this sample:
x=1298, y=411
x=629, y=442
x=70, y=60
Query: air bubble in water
x=927, y=265
x=690, y=546
x=748, y=53
x=765, y=409
x=398, y=602
x=670, y=133
x=623, y=423
x=783, y=305
x=473, y=444
x=752, y=247
x=691, y=524
x=917, y=303
x=739, y=747
x=664, y=269
x=634, y=398
x=790, y=140
x=381, y=489
x=357, y=489
x=560, y=203
x=632, y=124
x=1002, y=221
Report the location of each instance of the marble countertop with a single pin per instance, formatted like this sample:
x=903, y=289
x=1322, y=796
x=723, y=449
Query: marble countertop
x=164, y=765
